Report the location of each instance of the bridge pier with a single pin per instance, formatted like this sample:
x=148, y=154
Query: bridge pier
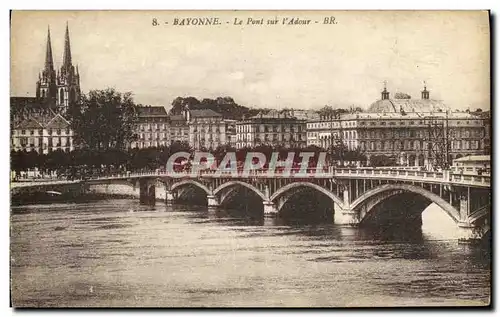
x=212, y=201
x=270, y=209
x=147, y=193
x=169, y=197
x=469, y=233
x=346, y=217
x=464, y=207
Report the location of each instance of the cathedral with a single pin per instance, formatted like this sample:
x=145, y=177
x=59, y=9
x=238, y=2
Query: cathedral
x=62, y=88
x=41, y=123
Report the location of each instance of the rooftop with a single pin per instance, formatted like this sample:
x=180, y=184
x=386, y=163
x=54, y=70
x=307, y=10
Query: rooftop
x=204, y=113
x=407, y=105
x=152, y=111
x=474, y=158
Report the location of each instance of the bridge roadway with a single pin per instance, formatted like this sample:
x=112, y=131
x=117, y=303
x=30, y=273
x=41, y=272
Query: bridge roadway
x=355, y=193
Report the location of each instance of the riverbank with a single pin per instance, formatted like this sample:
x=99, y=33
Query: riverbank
x=68, y=197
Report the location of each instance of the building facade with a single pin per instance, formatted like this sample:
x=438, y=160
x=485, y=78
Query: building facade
x=207, y=129
x=42, y=134
x=152, y=128
x=421, y=132
x=273, y=129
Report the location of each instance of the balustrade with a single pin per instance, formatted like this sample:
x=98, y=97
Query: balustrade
x=330, y=172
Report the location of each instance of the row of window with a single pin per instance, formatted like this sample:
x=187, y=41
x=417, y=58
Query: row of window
x=269, y=128
x=49, y=131
x=270, y=137
x=415, y=145
x=378, y=134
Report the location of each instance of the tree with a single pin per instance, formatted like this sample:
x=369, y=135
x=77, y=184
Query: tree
x=104, y=119
x=226, y=106
x=401, y=95
x=179, y=103
x=333, y=112
x=382, y=160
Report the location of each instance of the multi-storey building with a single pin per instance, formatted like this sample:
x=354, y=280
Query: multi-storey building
x=273, y=128
x=202, y=129
x=42, y=134
x=152, y=127
x=231, y=136
x=327, y=131
x=414, y=132
x=207, y=129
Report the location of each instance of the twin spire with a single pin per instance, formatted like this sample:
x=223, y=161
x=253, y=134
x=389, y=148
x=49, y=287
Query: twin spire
x=49, y=61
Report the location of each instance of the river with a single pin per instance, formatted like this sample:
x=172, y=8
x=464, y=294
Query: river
x=117, y=253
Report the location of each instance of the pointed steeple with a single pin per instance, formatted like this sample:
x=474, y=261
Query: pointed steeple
x=49, y=61
x=67, y=50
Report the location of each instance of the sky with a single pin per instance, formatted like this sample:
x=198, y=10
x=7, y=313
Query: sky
x=274, y=66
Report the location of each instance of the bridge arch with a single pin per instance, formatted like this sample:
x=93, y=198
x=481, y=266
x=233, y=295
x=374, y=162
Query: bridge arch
x=291, y=186
x=191, y=182
x=396, y=189
x=240, y=183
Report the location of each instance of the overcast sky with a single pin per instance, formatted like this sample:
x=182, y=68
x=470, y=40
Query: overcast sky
x=273, y=66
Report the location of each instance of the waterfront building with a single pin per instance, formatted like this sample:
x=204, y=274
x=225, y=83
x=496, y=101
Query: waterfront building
x=202, y=129
x=274, y=128
x=152, y=127
x=43, y=134
x=207, y=129
x=414, y=132
x=231, y=136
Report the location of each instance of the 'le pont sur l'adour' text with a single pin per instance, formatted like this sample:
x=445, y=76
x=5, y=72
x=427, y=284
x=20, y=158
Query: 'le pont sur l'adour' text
x=250, y=21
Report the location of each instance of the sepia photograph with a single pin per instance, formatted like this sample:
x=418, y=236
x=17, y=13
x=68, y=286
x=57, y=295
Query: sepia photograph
x=250, y=159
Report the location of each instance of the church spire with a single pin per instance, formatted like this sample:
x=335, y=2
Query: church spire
x=49, y=62
x=67, y=50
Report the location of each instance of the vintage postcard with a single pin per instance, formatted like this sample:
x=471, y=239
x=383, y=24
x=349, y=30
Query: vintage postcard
x=250, y=159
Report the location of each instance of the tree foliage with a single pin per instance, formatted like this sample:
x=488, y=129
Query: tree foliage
x=104, y=119
x=382, y=160
x=401, y=95
x=226, y=106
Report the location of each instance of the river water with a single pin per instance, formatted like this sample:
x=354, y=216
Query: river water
x=116, y=253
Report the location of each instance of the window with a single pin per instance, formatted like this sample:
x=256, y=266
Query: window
x=58, y=131
x=67, y=131
x=23, y=132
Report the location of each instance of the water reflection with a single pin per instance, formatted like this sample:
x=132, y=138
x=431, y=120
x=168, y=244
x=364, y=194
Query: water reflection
x=119, y=253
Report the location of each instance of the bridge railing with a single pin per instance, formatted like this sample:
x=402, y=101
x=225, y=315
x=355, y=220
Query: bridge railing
x=481, y=180
x=470, y=170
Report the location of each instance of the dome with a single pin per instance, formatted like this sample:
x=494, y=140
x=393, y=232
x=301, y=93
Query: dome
x=407, y=105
